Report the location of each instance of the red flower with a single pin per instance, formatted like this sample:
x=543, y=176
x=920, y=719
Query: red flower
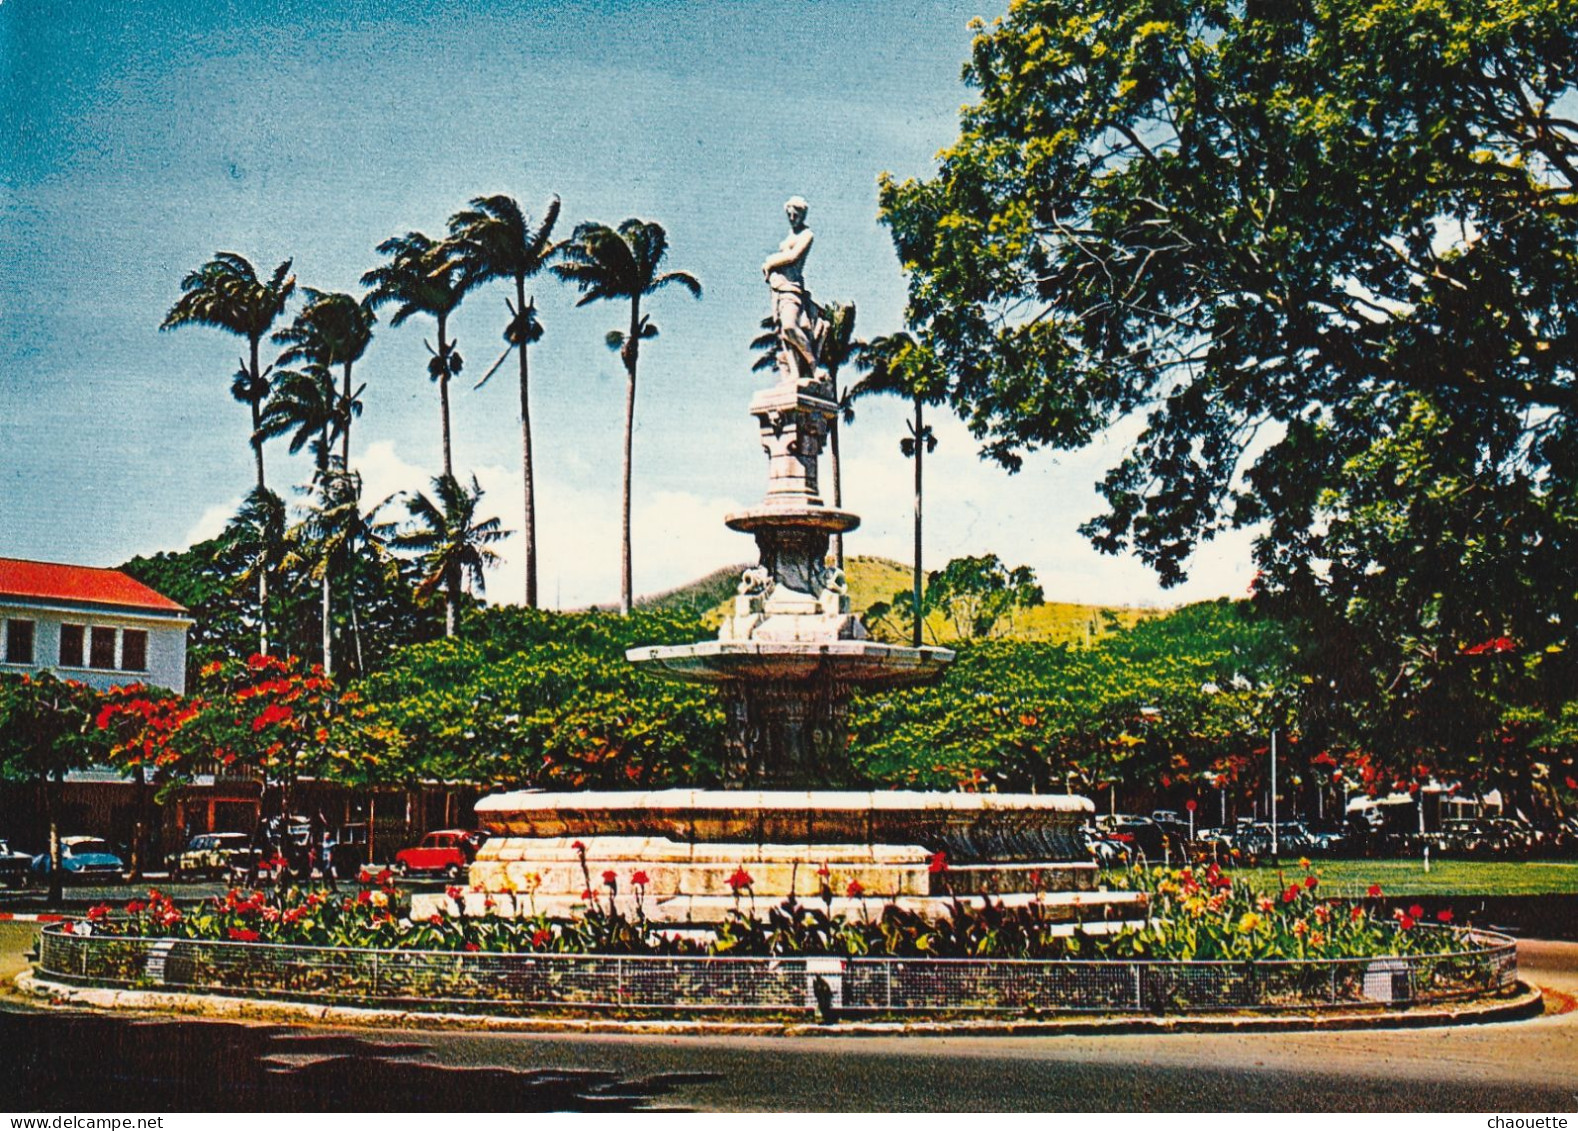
x=1416, y=911
x=472, y=946
x=540, y=937
x=1572, y=783
x=640, y=879
x=98, y=913
x=1310, y=882
x=824, y=871
x=135, y=907
x=1407, y=922
x=938, y=863
x=1291, y=894
x=740, y=879
x=609, y=879
x=1375, y=891
x=436, y=919
x=854, y=890
x=454, y=892
x=586, y=894
x=1444, y=915
x=243, y=934
x=579, y=847
x=364, y=896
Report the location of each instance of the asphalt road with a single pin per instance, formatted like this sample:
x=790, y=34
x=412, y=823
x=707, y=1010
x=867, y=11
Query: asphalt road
x=88, y=1061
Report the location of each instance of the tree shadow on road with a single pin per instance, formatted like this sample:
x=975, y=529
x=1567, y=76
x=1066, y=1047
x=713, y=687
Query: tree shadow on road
x=68, y=1060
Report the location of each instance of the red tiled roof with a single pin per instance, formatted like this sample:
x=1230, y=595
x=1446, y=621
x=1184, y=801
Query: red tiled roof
x=49, y=581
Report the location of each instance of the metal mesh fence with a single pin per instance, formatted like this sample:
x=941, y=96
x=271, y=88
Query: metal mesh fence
x=1485, y=964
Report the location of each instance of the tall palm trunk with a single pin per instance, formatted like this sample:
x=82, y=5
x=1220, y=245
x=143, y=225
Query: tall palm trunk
x=529, y=530
x=451, y=601
x=345, y=436
x=324, y=583
x=443, y=397
x=920, y=450
x=257, y=451
x=632, y=351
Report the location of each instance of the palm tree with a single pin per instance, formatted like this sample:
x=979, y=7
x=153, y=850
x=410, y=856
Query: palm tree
x=258, y=531
x=227, y=294
x=452, y=542
x=333, y=329
x=623, y=264
x=335, y=533
x=303, y=404
x=898, y=365
x=422, y=277
x=495, y=240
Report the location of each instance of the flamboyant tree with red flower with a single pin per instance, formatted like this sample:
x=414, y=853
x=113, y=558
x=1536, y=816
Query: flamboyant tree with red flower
x=140, y=724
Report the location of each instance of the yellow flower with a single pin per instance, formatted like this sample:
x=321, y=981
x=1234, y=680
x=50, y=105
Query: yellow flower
x=1248, y=923
x=1304, y=862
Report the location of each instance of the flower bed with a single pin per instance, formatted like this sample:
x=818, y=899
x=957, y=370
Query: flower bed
x=1210, y=945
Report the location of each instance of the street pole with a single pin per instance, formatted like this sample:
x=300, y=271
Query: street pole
x=1273, y=794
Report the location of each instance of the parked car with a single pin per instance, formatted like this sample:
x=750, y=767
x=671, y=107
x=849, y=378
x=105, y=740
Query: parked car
x=1105, y=851
x=1140, y=833
x=13, y=866
x=212, y=855
x=446, y=852
x=83, y=857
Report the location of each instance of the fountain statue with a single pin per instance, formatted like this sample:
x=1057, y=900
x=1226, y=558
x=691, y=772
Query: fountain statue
x=786, y=662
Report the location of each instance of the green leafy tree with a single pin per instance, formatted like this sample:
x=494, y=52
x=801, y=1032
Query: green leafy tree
x=898, y=365
x=46, y=730
x=537, y=699
x=494, y=239
x=977, y=593
x=452, y=540
x=422, y=277
x=1283, y=238
x=623, y=265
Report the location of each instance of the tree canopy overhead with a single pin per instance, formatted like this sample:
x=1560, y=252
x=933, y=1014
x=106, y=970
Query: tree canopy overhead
x=1322, y=253
x=1225, y=216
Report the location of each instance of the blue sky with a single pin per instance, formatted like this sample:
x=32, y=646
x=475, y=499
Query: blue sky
x=141, y=138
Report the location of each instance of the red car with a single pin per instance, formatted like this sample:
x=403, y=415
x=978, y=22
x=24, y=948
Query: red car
x=446, y=852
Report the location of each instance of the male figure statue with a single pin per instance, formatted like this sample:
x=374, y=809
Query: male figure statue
x=799, y=320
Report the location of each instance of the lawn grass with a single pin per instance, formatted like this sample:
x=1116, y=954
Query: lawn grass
x=1408, y=877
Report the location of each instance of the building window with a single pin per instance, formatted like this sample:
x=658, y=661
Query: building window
x=73, y=645
x=19, y=642
x=134, y=650
x=101, y=653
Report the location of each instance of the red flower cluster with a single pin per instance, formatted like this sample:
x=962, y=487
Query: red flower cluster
x=640, y=879
x=740, y=879
x=855, y=889
x=243, y=934
x=938, y=863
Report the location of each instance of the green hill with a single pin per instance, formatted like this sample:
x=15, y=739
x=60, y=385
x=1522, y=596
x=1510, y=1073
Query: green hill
x=873, y=580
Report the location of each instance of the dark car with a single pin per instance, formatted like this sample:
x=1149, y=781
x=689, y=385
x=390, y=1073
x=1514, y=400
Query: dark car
x=83, y=858
x=1140, y=834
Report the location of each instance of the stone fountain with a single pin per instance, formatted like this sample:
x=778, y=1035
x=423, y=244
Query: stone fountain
x=786, y=663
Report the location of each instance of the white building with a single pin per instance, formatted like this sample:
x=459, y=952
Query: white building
x=98, y=626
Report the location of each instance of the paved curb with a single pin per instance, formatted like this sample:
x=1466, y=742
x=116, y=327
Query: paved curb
x=1528, y=1002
